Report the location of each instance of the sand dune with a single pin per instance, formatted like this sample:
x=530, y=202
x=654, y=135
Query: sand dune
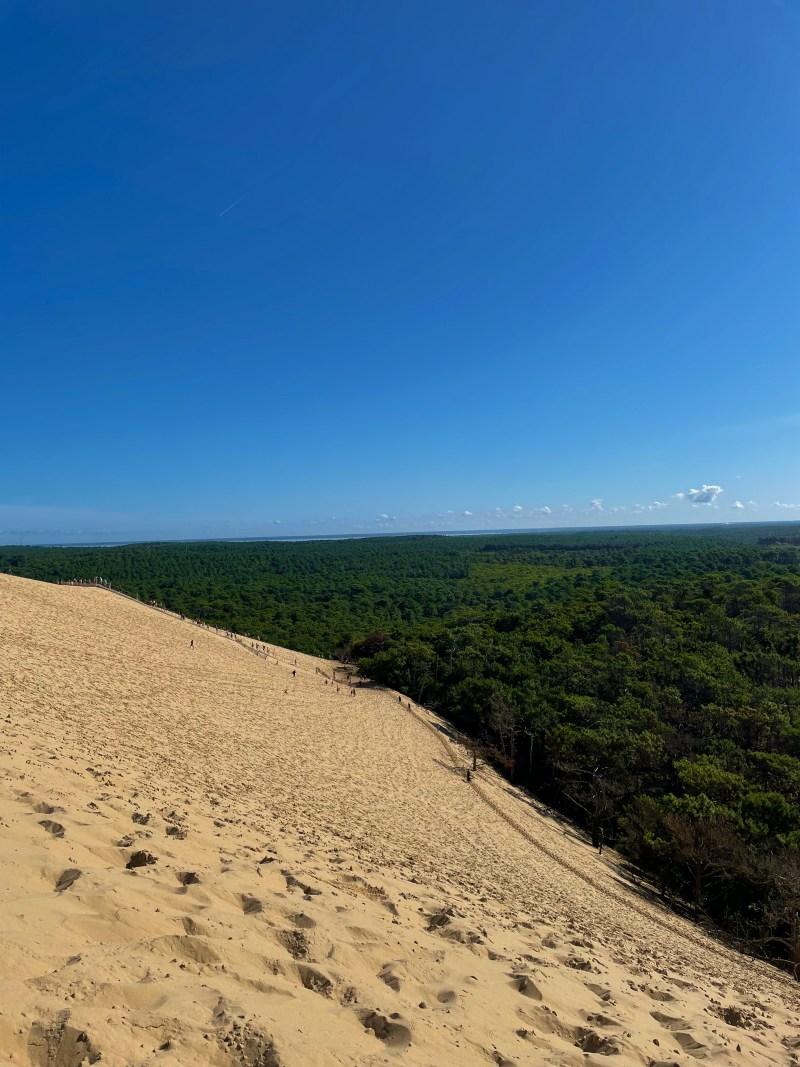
x=209, y=860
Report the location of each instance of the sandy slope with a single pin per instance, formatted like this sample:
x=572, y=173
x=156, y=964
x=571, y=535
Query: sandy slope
x=327, y=889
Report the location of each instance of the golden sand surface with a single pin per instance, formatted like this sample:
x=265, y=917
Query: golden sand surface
x=319, y=885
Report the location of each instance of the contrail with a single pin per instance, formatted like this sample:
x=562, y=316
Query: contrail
x=230, y=207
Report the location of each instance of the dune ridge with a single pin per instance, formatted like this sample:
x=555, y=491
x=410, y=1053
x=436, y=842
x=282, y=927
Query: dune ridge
x=215, y=857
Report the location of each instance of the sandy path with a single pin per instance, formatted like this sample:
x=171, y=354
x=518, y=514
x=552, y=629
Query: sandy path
x=108, y=705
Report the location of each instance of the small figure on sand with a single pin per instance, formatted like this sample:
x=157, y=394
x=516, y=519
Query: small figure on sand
x=191, y=643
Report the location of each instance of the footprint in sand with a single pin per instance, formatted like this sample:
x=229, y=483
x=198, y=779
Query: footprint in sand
x=690, y=1044
x=394, y=1034
x=56, y=1043
x=67, y=878
x=661, y=995
x=602, y=992
x=388, y=976
x=669, y=1022
x=248, y=1046
x=295, y=883
x=681, y=983
x=591, y=1041
x=188, y=948
x=295, y=942
x=545, y=1021
x=303, y=921
x=578, y=963
x=314, y=980
x=523, y=983
x=192, y=926
x=597, y=1019
x=142, y=858
x=54, y=828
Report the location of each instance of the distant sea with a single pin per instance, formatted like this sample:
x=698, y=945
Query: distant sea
x=298, y=538
x=664, y=527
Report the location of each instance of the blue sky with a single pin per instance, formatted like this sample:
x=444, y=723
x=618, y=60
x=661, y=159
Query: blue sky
x=317, y=267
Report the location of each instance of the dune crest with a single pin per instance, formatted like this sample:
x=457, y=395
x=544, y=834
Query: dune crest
x=210, y=857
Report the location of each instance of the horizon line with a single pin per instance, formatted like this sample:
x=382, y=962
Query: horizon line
x=493, y=532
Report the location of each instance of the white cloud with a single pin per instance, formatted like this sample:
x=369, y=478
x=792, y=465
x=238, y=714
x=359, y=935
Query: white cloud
x=638, y=508
x=467, y=514
x=517, y=508
x=752, y=504
x=679, y=496
x=657, y=505
x=737, y=505
x=787, y=507
x=596, y=504
x=706, y=495
x=383, y=517
x=566, y=507
x=545, y=510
